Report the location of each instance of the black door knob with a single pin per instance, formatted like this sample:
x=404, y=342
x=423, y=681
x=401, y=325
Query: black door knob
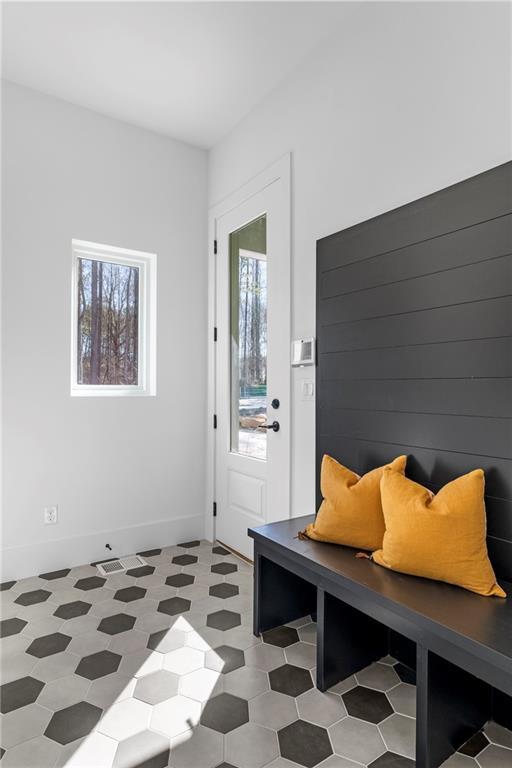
x=274, y=426
x=275, y=403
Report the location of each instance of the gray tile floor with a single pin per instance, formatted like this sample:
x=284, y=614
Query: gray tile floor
x=158, y=667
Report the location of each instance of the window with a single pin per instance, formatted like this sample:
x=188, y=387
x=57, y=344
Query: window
x=248, y=275
x=113, y=321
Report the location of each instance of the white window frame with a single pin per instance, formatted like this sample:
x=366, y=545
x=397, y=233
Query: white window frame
x=146, y=263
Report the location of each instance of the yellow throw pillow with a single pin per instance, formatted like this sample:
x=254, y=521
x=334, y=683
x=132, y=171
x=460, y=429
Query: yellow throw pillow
x=438, y=536
x=351, y=512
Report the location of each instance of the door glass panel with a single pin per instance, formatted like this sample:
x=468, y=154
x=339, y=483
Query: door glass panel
x=248, y=277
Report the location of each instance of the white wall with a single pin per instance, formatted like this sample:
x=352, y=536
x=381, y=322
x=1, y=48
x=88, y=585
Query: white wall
x=129, y=471
x=405, y=99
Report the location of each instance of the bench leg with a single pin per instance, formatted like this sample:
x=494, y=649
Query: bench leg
x=502, y=709
x=347, y=640
x=452, y=705
x=279, y=595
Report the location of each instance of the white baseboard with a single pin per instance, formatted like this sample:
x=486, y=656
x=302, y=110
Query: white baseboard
x=32, y=559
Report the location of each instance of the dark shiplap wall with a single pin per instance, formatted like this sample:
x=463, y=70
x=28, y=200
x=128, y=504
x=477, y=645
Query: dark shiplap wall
x=414, y=329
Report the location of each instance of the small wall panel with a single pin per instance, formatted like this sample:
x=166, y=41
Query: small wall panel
x=414, y=334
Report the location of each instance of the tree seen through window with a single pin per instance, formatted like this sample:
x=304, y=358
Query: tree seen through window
x=108, y=323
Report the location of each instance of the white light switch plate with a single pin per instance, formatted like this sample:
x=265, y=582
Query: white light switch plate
x=308, y=389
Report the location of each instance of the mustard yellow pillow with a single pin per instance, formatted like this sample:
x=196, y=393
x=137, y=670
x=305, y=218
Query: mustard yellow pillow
x=351, y=512
x=440, y=537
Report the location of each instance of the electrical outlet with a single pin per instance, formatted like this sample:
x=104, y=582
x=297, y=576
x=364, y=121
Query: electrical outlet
x=50, y=515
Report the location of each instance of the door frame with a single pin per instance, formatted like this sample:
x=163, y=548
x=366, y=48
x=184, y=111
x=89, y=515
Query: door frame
x=278, y=171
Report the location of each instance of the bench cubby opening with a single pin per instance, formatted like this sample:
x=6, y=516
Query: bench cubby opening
x=280, y=595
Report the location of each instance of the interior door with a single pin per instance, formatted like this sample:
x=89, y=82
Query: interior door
x=252, y=446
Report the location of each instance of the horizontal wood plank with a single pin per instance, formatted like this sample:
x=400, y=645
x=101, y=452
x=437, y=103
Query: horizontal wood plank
x=499, y=518
x=482, y=358
x=499, y=554
x=485, y=280
x=480, y=198
x=482, y=242
x=464, y=397
x=464, y=434
x=471, y=320
x=431, y=467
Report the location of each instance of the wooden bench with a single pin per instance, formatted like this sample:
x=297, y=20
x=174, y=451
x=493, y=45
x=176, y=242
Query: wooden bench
x=459, y=643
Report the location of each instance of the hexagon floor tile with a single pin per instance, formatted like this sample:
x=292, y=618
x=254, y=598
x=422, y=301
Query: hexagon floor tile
x=73, y=722
x=290, y=680
x=152, y=751
x=125, y=719
x=176, y=715
x=91, y=582
x=201, y=685
x=225, y=659
x=33, y=597
x=184, y=560
x=198, y=747
x=93, y=750
x=246, y=682
x=19, y=693
x=251, y=746
x=392, y=760
x=273, y=710
x=113, y=625
x=129, y=594
x=156, y=687
x=55, y=574
x=224, y=590
x=158, y=668
x=281, y=636
x=9, y=627
x=320, y=708
x=225, y=712
x=150, y=553
x=220, y=551
x=180, y=580
x=305, y=743
x=223, y=620
x=72, y=610
x=143, y=570
x=224, y=568
x=174, y=606
x=265, y=657
x=165, y=640
x=399, y=734
x=357, y=740
x=382, y=677
x=98, y=665
x=367, y=704
x=184, y=660
x=48, y=645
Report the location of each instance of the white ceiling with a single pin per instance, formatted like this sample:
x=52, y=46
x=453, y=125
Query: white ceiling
x=190, y=70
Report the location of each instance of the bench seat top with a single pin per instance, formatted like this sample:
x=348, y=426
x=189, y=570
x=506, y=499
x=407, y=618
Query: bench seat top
x=479, y=625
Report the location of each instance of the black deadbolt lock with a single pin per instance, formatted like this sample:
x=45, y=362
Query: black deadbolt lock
x=275, y=403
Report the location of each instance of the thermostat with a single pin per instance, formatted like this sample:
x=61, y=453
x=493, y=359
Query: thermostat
x=303, y=352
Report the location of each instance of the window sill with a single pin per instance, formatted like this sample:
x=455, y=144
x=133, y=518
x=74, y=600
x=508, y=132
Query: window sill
x=111, y=391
